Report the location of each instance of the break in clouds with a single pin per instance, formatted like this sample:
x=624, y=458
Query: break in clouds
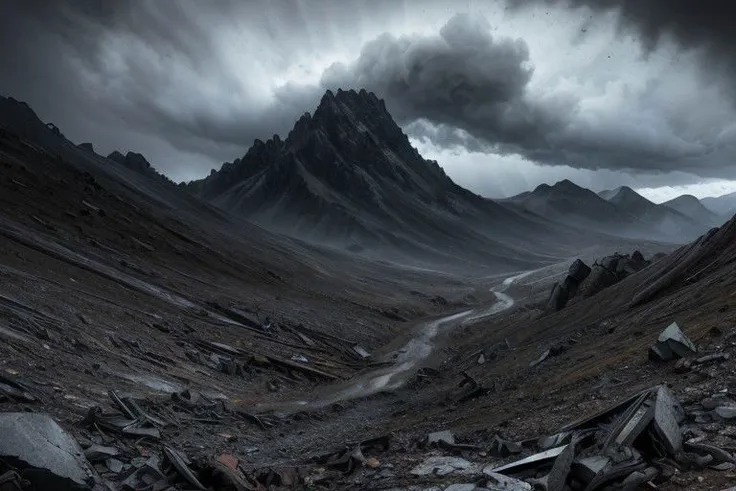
x=607, y=88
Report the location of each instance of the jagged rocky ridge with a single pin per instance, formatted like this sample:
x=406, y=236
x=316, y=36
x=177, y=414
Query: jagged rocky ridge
x=347, y=175
x=137, y=162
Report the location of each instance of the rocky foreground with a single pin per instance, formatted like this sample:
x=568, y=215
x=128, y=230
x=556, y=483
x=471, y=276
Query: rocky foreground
x=658, y=438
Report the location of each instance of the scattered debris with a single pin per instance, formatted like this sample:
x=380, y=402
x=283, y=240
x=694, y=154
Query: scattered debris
x=618, y=447
x=441, y=466
x=361, y=351
x=96, y=453
x=181, y=463
x=440, y=438
x=300, y=359
x=503, y=448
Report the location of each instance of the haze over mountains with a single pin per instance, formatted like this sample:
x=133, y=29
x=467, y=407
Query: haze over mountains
x=621, y=212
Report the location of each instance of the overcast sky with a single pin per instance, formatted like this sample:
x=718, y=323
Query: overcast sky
x=505, y=94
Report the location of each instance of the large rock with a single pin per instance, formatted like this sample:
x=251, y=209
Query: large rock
x=672, y=343
x=637, y=257
x=579, y=270
x=87, y=147
x=599, y=279
x=571, y=285
x=49, y=457
x=626, y=267
x=610, y=262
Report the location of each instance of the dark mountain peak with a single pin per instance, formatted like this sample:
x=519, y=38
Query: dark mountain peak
x=685, y=198
x=561, y=187
x=360, y=103
x=87, y=147
x=567, y=185
x=116, y=156
x=137, y=161
x=625, y=193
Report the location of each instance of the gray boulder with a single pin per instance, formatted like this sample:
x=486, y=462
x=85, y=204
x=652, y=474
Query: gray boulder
x=637, y=257
x=571, y=285
x=672, y=343
x=579, y=270
x=49, y=457
x=610, y=262
x=599, y=279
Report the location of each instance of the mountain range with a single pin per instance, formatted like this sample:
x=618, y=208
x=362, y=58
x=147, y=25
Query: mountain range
x=347, y=177
x=621, y=211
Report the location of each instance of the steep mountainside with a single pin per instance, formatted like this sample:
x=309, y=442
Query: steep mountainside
x=667, y=221
x=692, y=207
x=722, y=205
x=347, y=175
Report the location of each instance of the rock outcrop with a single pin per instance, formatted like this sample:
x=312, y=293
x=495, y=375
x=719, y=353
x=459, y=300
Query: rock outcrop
x=563, y=292
x=585, y=281
x=86, y=146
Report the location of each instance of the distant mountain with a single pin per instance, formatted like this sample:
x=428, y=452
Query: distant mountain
x=664, y=220
x=567, y=202
x=724, y=206
x=626, y=214
x=347, y=175
x=692, y=207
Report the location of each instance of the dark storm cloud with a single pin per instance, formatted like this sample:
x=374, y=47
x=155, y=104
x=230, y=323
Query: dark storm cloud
x=150, y=75
x=191, y=84
x=694, y=24
x=465, y=78
x=461, y=78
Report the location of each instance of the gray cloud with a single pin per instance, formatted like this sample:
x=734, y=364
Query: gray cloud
x=152, y=76
x=191, y=84
x=464, y=78
x=704, y=24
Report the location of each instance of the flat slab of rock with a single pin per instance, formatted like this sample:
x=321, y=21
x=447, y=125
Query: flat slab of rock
x=499, y=482
x=35, y=441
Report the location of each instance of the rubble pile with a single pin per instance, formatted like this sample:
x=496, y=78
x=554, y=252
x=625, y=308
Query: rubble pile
x=645, y=439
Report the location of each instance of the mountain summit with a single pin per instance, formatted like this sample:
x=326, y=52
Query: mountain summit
x=347, y=175
x=349, y=144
